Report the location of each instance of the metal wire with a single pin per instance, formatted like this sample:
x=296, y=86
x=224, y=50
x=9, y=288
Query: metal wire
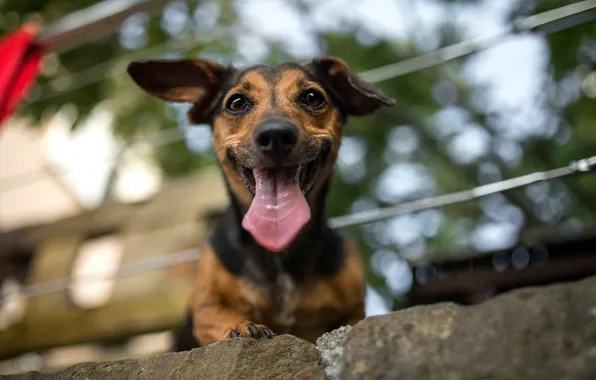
x=365, y=217
x=473, y=45
x=157, y=139
x=97, y=21
x=128, y=270
x=100, y=71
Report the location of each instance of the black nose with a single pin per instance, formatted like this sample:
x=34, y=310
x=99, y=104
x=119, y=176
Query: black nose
x=276, y=138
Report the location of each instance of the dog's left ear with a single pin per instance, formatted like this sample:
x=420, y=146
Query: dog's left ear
x=196, y=81
x=356, y=96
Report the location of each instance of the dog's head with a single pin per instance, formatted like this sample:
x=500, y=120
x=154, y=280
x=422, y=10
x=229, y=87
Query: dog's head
x=276, y=130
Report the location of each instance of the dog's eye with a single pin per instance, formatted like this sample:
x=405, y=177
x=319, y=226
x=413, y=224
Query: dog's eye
x=313, y=99
x=237, y=103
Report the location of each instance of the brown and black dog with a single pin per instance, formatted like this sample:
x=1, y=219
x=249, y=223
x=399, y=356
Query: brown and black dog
x=271, y=265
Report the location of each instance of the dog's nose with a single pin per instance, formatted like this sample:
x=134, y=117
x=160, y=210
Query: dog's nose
x=276, y=138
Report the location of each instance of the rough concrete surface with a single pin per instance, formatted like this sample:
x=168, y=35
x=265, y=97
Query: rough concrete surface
x=532, y=333
x=284, y=357
x=331, y=347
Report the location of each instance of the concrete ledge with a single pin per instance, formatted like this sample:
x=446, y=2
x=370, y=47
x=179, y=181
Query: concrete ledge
x=534, y=333
x=284, y=357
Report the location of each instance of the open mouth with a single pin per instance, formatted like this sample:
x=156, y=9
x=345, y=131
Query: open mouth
x=279, y=209
x=306, y=174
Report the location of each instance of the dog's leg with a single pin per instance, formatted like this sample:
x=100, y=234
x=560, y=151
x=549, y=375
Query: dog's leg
x=356, y=315
x=220, y=309
x=184, y=339
x=349, y=286
x=213, y=322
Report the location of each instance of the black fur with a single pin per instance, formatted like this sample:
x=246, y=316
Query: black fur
x=184, y=338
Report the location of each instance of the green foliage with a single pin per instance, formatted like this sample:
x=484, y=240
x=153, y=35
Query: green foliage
x=140, y=115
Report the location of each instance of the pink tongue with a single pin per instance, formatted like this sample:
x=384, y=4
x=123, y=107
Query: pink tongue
x=278, y=212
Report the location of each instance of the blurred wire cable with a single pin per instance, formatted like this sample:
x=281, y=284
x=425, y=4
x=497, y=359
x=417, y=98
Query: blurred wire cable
x=97, y=21
x=157, y=139
x=128, y=270
x=365, y=217
x=470, y=46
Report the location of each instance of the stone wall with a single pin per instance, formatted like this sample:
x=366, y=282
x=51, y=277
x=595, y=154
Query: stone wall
x=534, y=333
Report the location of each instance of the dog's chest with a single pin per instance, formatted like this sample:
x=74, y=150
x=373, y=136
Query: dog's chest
x=286, y=296
x=281, y=294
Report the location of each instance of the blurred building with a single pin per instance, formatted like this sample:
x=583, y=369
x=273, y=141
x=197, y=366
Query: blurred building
x=51, y=231
x=479, y=277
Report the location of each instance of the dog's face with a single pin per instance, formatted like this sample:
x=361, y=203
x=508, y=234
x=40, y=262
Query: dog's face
x=276, y=130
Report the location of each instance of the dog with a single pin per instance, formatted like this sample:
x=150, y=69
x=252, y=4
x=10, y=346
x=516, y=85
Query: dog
x=271, y=265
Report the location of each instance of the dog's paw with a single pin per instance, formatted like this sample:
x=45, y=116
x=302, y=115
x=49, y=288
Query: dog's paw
x=249, y=330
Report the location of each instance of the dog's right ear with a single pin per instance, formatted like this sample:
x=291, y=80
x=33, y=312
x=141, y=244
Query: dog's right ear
x=196, y=81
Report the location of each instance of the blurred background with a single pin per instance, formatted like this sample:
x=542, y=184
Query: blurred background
x=105, y=192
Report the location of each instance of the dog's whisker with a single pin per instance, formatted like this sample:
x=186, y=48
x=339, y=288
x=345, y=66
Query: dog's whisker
x=348, y=167
x=211, y=161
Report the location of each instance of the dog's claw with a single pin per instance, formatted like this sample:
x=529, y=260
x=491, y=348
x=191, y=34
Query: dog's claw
x=249, y=330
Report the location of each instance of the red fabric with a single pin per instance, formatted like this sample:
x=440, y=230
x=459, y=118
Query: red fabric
x=19, y=66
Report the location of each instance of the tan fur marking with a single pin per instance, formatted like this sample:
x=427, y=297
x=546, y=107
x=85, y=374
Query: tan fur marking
x=221, y=301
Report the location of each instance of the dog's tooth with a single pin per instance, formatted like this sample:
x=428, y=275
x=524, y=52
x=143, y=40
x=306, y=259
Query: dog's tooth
x=298, y=173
